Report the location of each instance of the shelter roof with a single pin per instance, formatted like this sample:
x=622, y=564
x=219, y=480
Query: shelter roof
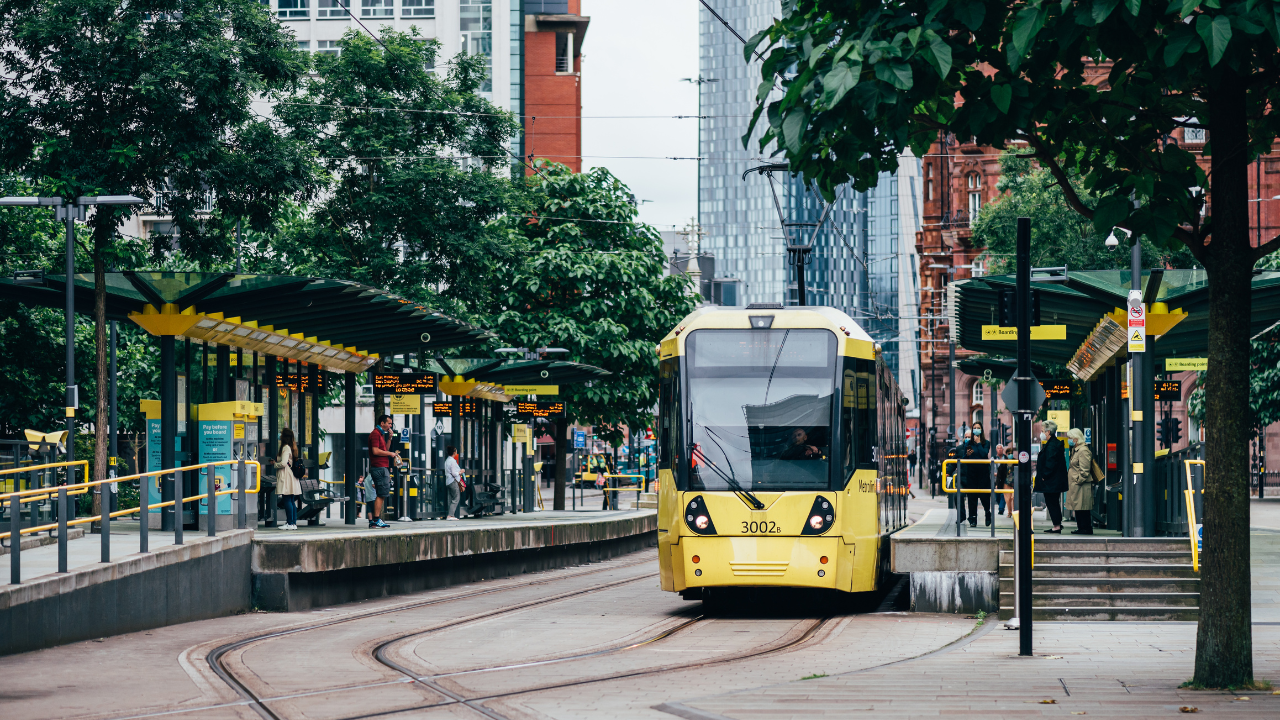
x=500, y=371
x=334, y=323
x=1082, y=299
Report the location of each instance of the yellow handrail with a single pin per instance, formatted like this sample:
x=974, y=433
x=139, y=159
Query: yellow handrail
x=1190, y=496
x=949, y=489
x=45, y=493
x=150, y=506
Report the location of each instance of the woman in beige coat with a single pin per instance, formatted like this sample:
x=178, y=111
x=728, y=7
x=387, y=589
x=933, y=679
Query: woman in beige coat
x=287, y=485
x=1080, y=482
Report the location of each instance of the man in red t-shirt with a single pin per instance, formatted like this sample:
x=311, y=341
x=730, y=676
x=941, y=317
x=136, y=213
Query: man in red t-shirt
x=380, y=459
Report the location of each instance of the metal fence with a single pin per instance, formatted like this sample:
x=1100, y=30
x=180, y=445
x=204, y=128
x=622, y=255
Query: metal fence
x=1170, y=482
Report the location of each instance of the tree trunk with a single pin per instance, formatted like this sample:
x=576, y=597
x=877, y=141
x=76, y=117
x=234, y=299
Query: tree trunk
x=1224, y=642
x=100, y=434
x=562, y=462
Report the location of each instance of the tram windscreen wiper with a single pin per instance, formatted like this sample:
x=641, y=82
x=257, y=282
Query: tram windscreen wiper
x=743, y=494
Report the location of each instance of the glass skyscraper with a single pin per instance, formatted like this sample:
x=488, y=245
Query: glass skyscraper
x=863, y=260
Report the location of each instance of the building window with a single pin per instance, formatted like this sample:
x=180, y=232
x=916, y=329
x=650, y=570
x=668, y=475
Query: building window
x=977, y=393
x=331, y=9
x=1193, y=135
x=564, y=52
x=975, y=195
x=293, y=8
x=476, y=24
x=418, y=8
x=979, y=268
x=329, y=47
x=304, y=45
x=928, y=181
x=377, y=8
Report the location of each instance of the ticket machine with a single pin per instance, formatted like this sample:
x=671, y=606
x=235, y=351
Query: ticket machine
x=227, y=431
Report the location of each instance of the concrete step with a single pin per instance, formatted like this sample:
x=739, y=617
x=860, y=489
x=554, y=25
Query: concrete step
x=30, y=542
x=1109, y=585
x=1096, y=614
x=1116, y=600
x=1072, y=570
x=1109, y=543
x=647, y=505
x=1106, y=557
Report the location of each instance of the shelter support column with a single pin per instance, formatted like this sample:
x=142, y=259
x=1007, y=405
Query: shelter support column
x=350, y=459
x=168, y=423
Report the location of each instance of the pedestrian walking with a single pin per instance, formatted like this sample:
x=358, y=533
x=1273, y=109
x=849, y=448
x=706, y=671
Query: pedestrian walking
x=1080, y=479
x=911, y=464
x=288, y=489
x=380, y=459
x=1004, y=479
x=1051, y=473
x=455, y=482
x=976, y=477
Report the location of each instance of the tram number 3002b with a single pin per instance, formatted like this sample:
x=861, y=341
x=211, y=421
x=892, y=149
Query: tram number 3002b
x=760, y=528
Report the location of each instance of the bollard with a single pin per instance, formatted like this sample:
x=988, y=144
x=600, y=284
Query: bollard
x=104, y=520
x=211, y=513
x=144, y=513
x=15, y=537
x=242, y=511
x=62, y=529
x=177, y=508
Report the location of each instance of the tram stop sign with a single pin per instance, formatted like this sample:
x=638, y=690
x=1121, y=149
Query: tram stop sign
x=1010, y=394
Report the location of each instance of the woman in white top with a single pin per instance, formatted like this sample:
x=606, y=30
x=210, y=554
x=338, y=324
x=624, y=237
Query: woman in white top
x=287, y=485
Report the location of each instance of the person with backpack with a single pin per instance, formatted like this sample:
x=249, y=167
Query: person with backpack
x=287, y=486
x=1080, y=478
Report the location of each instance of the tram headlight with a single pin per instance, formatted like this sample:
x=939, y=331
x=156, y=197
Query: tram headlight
x=697, y=518
x=821, y=517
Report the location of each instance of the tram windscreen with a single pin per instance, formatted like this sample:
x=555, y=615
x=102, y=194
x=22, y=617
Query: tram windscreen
x=760, y=407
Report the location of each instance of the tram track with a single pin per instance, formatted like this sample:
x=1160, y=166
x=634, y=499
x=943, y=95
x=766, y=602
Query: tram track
x=216, y=657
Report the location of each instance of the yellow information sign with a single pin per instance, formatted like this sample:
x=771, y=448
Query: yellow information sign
x=1038, y=332
x=406, y=405
x=237, y=431
x=531, y=389
x=1061, y=418
x=1185, y=364
x=520, y=433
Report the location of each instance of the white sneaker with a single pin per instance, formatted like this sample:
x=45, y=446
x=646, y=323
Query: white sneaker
x=451, y=518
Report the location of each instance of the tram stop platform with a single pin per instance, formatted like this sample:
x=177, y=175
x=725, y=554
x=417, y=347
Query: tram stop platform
x=285, y=570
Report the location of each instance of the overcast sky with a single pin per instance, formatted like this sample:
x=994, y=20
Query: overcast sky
x=634, y=57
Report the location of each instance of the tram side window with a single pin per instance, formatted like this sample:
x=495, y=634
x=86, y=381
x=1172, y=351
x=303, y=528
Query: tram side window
x=668, y=412
x=858, y=414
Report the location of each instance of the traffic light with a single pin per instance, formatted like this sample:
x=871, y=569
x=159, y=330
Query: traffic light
x=1162, y=431
x=1006, y=435
x=1175, y=430
x=1008, y=308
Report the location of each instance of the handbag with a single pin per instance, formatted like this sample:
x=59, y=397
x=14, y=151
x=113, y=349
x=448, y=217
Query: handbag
x=1096, y=472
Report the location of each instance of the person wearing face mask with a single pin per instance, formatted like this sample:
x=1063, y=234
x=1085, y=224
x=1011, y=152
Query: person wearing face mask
x=1004, y=505
x=974, y=476
x=1080, y=478
x=1051, y=473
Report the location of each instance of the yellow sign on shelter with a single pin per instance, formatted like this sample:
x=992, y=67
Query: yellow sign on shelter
x=1038, y=332
x=1185, y=364
x=406, y=405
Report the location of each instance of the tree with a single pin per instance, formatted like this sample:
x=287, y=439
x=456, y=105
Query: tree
x=410, y=157
x=594, y=282
x=1060, y=236
x=1089, y=89
x=150, y=98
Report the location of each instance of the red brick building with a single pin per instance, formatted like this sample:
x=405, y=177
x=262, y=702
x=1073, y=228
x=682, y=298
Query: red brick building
x=958, y=179
x=553, y=37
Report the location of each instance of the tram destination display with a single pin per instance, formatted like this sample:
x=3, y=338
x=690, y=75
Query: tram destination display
x=539, y=409
x=445, y=409
x=1168, y=390
x=404, y=383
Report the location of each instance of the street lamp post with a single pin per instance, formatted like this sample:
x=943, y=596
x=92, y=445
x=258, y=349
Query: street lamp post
x=69, y=211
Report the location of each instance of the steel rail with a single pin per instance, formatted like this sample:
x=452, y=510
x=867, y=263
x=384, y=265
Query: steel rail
x=215, y=656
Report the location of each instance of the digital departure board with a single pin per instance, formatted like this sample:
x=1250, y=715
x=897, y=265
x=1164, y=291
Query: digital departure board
x=404, y=383
x=1056, y=388
x=539, y=409
x=445, y=409
x=1168, y=390
x=297, y=382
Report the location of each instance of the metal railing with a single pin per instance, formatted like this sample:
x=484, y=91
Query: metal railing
x=991, y=463
x=16, y=498
x=609, y=487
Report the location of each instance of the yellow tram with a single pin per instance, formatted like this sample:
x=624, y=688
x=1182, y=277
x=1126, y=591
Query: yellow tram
x=782, y=452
